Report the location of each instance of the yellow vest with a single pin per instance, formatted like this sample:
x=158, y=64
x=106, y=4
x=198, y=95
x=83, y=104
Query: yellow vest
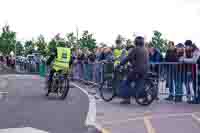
x=117, y=54
x=63, y=59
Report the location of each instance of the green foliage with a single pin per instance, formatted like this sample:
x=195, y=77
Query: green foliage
x=19, y=49
x=41, y=45
x=87, y=41
x=7, y=40
x=71, y=41
x=29, y=47
x=159, y=42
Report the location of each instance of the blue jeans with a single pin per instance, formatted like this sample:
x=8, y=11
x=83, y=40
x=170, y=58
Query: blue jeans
x=125, y=89
x=98, y=73
x=170, y=78
x=179, y=84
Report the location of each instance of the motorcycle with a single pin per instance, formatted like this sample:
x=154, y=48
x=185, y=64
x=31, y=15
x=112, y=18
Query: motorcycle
x=145, y=89
x=59, y=85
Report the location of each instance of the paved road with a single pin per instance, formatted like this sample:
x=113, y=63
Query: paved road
x=26, y=106
x=160, y=117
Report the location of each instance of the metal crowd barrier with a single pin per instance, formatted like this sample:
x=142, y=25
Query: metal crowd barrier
x=28, y=67
x=175, y=79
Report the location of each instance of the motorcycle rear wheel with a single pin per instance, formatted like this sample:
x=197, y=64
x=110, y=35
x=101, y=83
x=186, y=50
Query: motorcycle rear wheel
x=147, y=96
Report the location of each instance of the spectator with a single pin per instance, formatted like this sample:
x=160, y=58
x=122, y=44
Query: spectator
x=99, y=54
x=80, y=59
x=107, y=55
x=91, y=59
x=86, y=65
x=179, y=73
x=197, y=101
x=155, y=55
x=7, y=60
x=171, y=53
x=170, y=69
x=192, y=56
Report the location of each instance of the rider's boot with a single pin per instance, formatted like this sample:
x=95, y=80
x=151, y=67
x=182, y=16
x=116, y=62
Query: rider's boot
x=126, y=101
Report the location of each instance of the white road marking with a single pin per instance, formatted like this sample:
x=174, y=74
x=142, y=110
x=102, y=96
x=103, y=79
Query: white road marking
x=91, y=115
x=14, y=76
x=148, y=125
x=195, y=117
x=22, y=130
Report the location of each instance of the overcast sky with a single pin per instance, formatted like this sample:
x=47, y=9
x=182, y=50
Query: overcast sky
x=176, y=19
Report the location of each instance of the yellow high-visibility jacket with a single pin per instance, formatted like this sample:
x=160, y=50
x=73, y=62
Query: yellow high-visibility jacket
x=63, y=59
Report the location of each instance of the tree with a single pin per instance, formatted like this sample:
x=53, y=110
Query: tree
x=41, y=44
x=158, y=42
x=71, y=40
x=29, y=47
x=7, y=40
x=87, y=40
x=19, y=48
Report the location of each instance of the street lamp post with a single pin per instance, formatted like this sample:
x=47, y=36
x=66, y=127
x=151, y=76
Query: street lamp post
x=15, y=54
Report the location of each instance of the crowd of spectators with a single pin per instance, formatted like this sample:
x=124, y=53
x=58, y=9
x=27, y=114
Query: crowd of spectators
x=178, y=65
x=8, y=60
x=87, y=65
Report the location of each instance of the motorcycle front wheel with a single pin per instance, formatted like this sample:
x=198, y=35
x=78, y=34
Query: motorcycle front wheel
x=63, y=90
x=107, y=92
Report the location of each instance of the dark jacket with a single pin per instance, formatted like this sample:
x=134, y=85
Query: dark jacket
x=156, y=57
x=92, y=57
x=139, y=59
x=171, y=56
x=52, y=56
x=106, y=56
x=180, y=67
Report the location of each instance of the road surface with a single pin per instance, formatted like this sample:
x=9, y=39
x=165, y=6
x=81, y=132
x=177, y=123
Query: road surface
x=160, y=117
x=26, y=106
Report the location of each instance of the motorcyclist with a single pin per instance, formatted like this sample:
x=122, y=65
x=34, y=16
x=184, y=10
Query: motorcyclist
x=61, y=58
x=138, y=57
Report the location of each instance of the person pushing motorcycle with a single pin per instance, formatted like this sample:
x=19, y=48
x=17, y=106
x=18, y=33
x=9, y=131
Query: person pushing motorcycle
x=138, y=57
x=61, y=58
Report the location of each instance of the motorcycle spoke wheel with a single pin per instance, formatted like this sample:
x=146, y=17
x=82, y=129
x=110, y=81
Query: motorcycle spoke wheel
x=107, y=92
x=145, y=98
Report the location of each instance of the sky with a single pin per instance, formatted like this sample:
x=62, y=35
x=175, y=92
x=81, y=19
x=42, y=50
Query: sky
x=178, y=20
